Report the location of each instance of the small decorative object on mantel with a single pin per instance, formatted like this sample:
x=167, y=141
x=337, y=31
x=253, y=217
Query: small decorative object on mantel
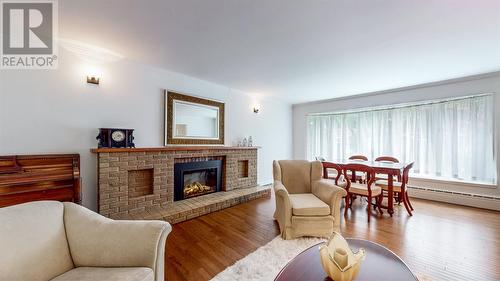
x=115, y=138
x=250, y=141
x=338, y=260
x=245, y=143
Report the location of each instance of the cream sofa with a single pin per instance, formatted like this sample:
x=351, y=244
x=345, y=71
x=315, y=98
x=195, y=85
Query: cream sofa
x=50, y=240
x=306, y=204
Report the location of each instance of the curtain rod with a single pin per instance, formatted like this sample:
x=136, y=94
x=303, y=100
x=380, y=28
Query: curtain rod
x=398, y=106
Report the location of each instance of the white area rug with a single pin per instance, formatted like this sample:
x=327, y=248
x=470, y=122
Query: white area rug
x=267, y=261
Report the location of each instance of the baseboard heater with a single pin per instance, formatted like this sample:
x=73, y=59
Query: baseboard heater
x=494, y=201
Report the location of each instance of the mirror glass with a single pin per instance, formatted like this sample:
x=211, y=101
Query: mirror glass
x=193, y=120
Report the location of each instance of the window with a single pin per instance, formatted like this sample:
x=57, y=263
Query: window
x=452, y=139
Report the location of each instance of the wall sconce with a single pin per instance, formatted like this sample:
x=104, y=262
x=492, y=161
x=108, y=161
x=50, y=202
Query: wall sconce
x=93, y=74
x=256, y=108
x=93, y=79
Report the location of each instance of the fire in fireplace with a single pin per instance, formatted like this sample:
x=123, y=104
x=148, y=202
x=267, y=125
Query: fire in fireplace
x=196, y=178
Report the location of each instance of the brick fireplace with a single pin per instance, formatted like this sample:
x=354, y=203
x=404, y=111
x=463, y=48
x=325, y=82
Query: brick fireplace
x=139, y=183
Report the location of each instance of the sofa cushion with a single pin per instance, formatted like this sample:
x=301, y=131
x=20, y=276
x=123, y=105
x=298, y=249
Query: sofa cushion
x=308, y=205
x=33, y=243
x=108, y=274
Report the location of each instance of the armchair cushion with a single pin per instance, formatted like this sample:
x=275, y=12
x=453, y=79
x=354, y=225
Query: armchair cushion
x=108, y=274
x=308, y=205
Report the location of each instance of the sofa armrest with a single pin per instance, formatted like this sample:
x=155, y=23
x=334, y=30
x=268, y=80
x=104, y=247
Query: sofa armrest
x=283, y=212
x=97, y=241
x=331, y=194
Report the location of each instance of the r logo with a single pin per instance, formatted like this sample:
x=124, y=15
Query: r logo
x=27, y=28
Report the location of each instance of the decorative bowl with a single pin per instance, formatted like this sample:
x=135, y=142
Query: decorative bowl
x=339, y=262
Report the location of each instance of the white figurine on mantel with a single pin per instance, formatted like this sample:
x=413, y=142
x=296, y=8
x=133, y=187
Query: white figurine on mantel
x=245, y=142
x=250, y=141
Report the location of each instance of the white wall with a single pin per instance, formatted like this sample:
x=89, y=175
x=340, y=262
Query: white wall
x=454, y=88
x=56, y=111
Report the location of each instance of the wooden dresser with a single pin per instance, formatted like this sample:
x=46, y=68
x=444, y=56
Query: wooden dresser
x=25, y=178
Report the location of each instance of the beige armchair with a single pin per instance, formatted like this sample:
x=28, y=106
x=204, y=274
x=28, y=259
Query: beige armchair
x=306, y=204
x=50, y=240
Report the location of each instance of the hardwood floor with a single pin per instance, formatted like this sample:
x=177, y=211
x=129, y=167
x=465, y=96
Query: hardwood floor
x=200, y=248
x=440, y=242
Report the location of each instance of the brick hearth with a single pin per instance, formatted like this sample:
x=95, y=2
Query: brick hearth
x=194, y=207
x=138, y=183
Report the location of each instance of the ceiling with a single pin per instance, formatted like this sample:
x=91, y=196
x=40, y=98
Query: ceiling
x=296, y=50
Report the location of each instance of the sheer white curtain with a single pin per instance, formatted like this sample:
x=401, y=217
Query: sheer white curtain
x=449, y=139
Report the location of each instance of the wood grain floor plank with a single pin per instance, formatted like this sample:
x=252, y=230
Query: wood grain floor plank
x=439, y=242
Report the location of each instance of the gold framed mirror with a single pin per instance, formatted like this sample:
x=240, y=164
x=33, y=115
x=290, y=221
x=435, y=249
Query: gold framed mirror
x=193, y=120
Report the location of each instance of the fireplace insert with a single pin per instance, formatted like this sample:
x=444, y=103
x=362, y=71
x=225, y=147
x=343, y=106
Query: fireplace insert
x=197, y=178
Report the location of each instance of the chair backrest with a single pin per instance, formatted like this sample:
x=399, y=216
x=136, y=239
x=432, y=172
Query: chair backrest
x=369, y=171
x=387, y=159
x=330, y=165
x=358, y=157
x=406, y=171
x=297, y=175
x=33, y=241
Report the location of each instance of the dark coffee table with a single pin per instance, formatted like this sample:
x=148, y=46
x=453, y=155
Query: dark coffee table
x=380, y=264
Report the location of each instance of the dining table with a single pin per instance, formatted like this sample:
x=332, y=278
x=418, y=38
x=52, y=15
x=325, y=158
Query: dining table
x=381, y=167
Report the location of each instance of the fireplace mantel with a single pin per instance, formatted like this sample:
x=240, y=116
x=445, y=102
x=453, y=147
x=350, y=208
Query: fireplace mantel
x=171, y=148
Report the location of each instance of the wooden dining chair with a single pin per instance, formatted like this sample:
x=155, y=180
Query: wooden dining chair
x=358, y=157
x=352, y=174
x=338, y=177
x=389, y=159
x=399, y=188
x=369, y=189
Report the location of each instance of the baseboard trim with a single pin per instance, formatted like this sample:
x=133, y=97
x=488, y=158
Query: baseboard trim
x=453, y=197
x=459, y=198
